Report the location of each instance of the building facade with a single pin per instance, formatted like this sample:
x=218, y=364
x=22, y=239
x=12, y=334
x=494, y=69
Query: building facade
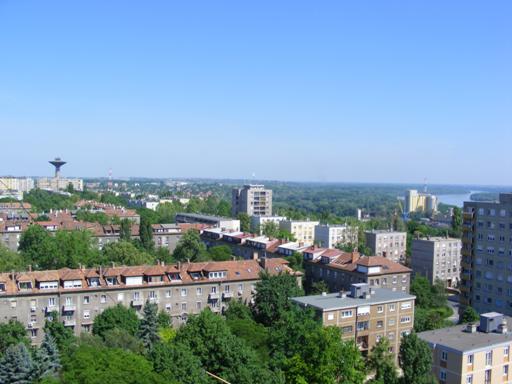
x=78, y=296
x=252, y=199
x=437, y=258
x=486, y=255
x=223, y=223
x=59, y=183
x=389, y=244
x=257, y=222
x=302, y=230
x=365, y=314
x=16, y=184
x=420, y=202
x=329, y=236
x=339, y=270
x=471, y=354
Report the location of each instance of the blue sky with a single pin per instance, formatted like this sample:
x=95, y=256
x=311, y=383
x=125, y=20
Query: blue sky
x=384, y=91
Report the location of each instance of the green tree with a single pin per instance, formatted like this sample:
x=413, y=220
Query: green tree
x=116, y=317
x=164, y=319
x=245, y=222
x=122, y=339
x=469, y=316
x=271, y=298
x=146, y=233
x=220, y=352
x=176, y=363
x=47, y=358
x=383, y=362
x=148, y=326
x=457, y=219
x=125, y=253
x=270, y=229
x=415, y=360
x=37, y=246
x=16, y=366
x=220, y=253
x=296, y=261
x=73, y=248
x=63, y=336
x=318, y=287
x=12, y=333
x=93, y=364
x=420, y=287
x=224, y=208
x=190, y=247
x=125, y=230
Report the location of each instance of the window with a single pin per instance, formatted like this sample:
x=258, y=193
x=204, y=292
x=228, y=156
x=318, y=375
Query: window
x=505, y=370
x=391, y=322
x=405, y=319
x=391, y=307
x=69, y=301
x=198, y=305
x=87, y=314
x=136, y=296
x=487, y=377
x=347, y=329
x=183, y=306
x=330, y=316
x=362, y=325
x=33, y=333
x=444, y=355
x=87, y=300
x=488, y=358
x=442, y=375
x=470, y=359
x=380, y=309
x=380, y=324
x=168, y=293
x=469, y=379
x=199, y=291
x=183, y=292
x=506, y=351
x=152, y=295
x=406, y=305
x=120, y=296
x=51, y=302
x=345, y=314
x=240, y=287
x=103, y=299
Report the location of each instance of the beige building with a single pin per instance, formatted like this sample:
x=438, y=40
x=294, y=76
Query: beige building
x=59, y=183
x=303, y=231
x=420, y=202
x=79, y=295
x=389, y=244
x=16, y=184
x=365, y=314
x=252, y=199
x=471, y=354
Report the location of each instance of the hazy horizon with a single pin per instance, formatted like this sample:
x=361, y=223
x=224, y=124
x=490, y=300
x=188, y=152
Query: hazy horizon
x=365, y=92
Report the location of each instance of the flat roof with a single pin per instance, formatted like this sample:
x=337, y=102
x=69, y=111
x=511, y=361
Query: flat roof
x=206, y=217
x=333, y=301
x=379, y=231
x=457, y=339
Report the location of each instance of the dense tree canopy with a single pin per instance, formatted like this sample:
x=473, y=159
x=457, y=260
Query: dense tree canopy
x=116, y=317
x=190, y=247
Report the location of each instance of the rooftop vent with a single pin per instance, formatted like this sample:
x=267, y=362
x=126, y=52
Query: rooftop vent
x=471, y=328
x=491, y=321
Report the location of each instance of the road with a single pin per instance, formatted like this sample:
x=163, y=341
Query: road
x=453, y=302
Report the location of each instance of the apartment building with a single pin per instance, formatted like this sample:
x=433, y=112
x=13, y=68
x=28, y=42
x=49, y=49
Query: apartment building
x=257, y=222
x=252, y=199
x=339, y=270
x=420, y=202
x=79, y=295
x=486, y=255
x=389, y=244
x=437, y=258
x=59, y=183
x=329, y=236
x=16, y=184
x=224, y=223
x=365, y=314
x=302, y=230
x=471, y=354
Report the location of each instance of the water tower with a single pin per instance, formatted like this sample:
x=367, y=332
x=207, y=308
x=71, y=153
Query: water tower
x=57, y=163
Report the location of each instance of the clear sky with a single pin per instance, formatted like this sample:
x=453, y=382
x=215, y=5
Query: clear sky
x=384, y=91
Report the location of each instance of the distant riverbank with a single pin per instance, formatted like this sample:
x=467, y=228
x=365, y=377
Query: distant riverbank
x=456, y=199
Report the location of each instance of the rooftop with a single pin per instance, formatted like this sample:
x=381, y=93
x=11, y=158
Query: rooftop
x=457, y=339
x=204, y=217
x=334, y=301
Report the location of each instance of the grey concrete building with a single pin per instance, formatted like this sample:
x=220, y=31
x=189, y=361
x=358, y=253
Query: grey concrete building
x=487, y=255
x=252, y=199
x=389, y=244
x=437, y=258
x=79, y=295
x=224, y=223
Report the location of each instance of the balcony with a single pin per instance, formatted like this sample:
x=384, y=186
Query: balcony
x=32, y=325
x=468, y=215
x=137, y=302
x=227, y=295
x=153, y=300
x=69, y=308
x=69, y=323
x=213, y=296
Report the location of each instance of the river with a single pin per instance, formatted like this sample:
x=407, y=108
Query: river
x=455, y=199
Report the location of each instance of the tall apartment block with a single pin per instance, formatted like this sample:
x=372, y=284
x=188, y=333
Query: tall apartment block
x=388, y=244
x=472, y=354
x=329, y=236
x=437, y=258
x=486, y=255
x=420, y=202
x=365, y=314
x=252, y=199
